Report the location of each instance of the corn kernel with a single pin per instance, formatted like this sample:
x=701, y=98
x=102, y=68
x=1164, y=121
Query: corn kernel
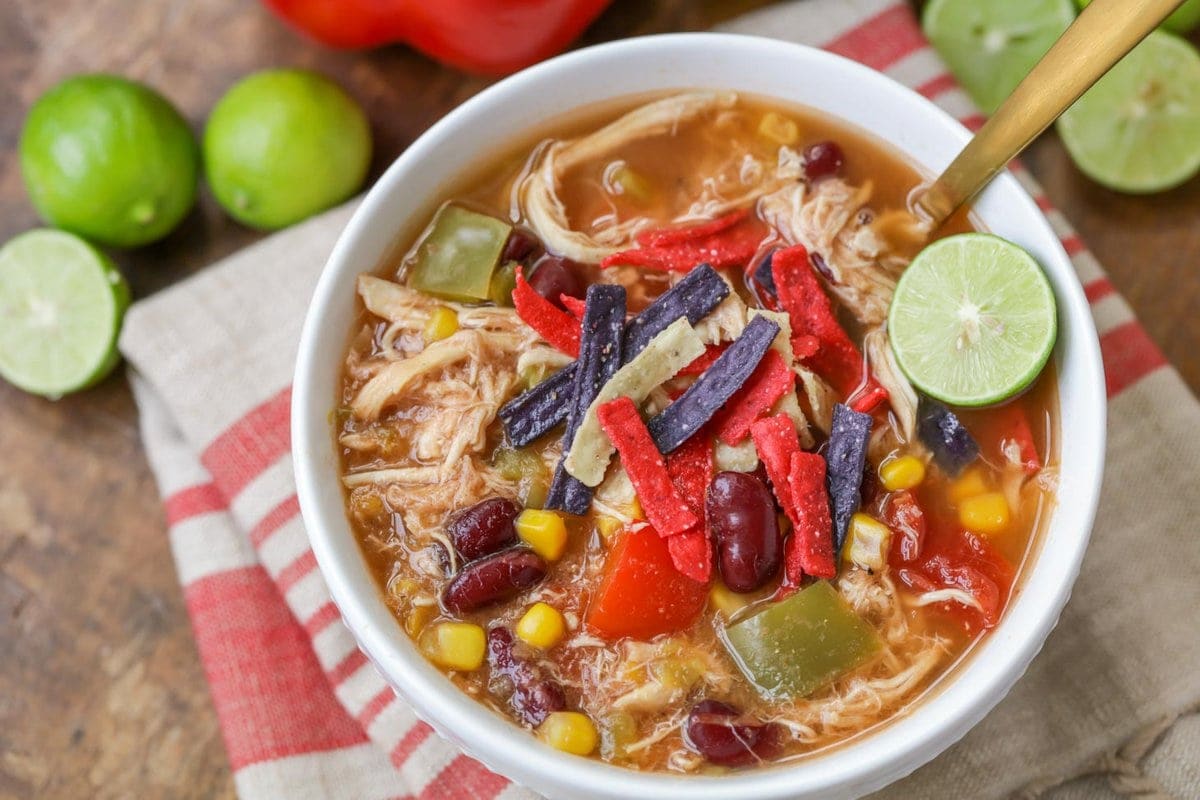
x=635, y=509
x=629, y=183
x=984, y=513
x=969, y=484
x=725, y=600
x=570, y=732
x=900, y=473
x=542, y=626
x=418, y=617
x=778, y=129
x=544, y=531
x=867, y=542
x=443, y=322
x=679, y=673
x=455, y=645
x=608, y=526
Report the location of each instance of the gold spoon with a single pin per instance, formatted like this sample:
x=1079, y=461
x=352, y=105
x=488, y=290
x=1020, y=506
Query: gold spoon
x=1102, y=35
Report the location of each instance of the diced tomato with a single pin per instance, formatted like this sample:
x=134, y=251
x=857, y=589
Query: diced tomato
x=1008, y=428
x=904, y=516
x=642, y=594
x=961, y=560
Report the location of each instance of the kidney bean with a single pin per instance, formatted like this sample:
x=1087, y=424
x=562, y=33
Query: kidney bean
x=741, y=516
x=493, y=579
x=519, y=245
x=554, y=276
x=534, y=696
x=724, y=736
x=823, y=159
x=484, y=528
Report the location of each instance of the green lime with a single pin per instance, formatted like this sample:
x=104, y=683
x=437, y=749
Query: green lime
x=109, y=159
x=282, y=145
x=973, y=320
x=61, y=304
x=990, y=45
x=1138, y=129
x=1185, y=18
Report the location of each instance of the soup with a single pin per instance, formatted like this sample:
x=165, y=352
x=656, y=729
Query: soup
x=626, y=448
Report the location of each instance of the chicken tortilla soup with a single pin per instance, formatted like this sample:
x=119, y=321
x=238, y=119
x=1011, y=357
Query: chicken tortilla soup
x=636, y=454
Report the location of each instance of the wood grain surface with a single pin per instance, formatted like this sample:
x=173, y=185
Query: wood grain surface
x=101, y=692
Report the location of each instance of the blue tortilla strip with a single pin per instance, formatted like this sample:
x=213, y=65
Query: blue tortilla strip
x=712, y=390
x=532, y=413
x=694, y=297
x=536, y=411
x=764, y=276
x=845, y=458
x=952, y=445
x=600, y=347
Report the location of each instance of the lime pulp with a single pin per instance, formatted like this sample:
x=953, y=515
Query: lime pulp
x=1138, y=129
x=990, y=45
x=61, y=305
x=973, y=320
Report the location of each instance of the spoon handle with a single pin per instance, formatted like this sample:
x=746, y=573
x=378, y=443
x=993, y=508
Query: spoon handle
x=1104, y=32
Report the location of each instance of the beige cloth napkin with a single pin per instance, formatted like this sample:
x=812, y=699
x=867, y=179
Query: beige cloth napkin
x=1107, y=709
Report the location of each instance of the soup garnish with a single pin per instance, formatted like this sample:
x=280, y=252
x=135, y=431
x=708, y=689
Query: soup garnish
x=626, y=444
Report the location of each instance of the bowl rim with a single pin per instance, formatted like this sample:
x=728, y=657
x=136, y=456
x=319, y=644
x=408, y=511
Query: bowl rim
x=913, y=736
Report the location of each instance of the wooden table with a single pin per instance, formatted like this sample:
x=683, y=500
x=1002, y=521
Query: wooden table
x=101, y=693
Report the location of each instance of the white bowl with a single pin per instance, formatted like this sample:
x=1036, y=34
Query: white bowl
x=505, y=113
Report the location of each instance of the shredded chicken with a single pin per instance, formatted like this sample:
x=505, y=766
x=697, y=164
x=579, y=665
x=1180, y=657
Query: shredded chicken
x=538, y=194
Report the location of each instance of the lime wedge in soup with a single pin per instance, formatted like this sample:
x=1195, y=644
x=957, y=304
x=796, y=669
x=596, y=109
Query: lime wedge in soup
x=990, y=45
x=973, y=320
x=61, y=304
x=1138, y=129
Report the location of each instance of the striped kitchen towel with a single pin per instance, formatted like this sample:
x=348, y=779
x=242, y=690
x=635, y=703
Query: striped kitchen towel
x=305, y=716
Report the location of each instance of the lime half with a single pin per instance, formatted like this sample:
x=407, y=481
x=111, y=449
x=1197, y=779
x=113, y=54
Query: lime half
x=1138, y=129
x=61, y=304
x=973, y=320
x=990, y=45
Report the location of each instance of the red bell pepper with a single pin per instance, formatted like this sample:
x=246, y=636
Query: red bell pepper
x=487, y=36
x=642, y=594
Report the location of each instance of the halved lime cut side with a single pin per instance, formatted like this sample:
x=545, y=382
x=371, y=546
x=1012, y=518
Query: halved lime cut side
x=973, y=320
x=990, y=45
x=1138, y=129
x=61, y=305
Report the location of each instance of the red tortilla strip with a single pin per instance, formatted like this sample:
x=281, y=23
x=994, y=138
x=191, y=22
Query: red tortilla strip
x=809, y=550
x=553, y=324
x=573, y=304
x=733, y=244
x=835, y=359
x=776, y=441
x=691, y=553
x=647, y=471
x=772, y=379
x=711, y=353
x=691, y=470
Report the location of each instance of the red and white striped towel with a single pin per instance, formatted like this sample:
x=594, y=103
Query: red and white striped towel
x=305, y=716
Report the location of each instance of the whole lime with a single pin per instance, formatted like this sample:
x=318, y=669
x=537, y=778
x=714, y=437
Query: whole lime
x=109, y=159
x=1183, y=19
x=284, y=144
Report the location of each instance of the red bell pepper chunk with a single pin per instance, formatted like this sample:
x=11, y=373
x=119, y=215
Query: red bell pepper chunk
x=641, y=593
x=487, y=36
x=553, y=324
x=835, y=358
x=711, y=353
x=771, y=380
x=809, y=550
x=691, y=470
x=575, y=305
x=647, y=471
x=728, y=241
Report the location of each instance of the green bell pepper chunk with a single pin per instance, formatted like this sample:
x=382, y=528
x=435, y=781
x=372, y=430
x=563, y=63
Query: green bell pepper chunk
x=460, y=251
x=800, y=644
